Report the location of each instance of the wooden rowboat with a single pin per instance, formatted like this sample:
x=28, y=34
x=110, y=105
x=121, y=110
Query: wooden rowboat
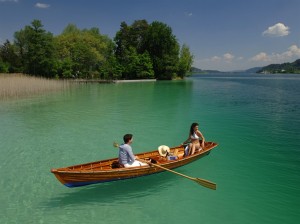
x=108, y=170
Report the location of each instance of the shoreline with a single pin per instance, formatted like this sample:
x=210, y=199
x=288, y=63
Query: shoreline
x=101, y=81
x=134, y=80
x=17, y=85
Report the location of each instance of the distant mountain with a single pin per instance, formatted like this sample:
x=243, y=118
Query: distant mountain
x=253, y=70
x=250, y=70
x=198, y=70
x=293, y=67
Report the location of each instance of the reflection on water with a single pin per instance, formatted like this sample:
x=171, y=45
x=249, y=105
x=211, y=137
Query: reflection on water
x=114, y=192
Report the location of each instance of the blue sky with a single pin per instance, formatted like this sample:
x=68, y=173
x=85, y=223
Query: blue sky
x=222, y=34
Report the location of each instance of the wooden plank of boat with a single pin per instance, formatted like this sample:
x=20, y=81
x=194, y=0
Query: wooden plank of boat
x=105, y=170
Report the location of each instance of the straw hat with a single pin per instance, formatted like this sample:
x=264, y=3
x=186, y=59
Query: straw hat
x=163, y=150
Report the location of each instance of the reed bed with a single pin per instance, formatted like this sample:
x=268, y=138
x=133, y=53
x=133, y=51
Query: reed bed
x=20, y=86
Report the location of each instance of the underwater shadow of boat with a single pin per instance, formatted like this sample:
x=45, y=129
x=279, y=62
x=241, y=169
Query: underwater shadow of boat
x=114, y=192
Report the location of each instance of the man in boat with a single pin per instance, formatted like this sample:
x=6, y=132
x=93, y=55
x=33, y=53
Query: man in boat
x=126, y=156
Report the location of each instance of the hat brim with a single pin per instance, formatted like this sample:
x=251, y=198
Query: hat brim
x=163, y=150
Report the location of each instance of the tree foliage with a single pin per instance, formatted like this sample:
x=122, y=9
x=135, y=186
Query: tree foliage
x=153, y=41
x=130, y=50
x=36, y=49
x=164, y=49
x=82, y=52
x=9, y=60
x=185, y=61
x=138, y=51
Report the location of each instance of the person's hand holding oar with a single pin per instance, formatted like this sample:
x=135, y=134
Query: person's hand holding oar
x=203, y=182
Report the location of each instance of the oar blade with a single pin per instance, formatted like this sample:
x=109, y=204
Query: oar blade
x=206, y=183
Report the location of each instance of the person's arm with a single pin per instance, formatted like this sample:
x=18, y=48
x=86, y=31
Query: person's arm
x=202, y=137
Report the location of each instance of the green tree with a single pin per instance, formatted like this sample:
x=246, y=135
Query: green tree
x=122, y=44
x=4, y=67
x=10, y=58
x=36, y=48
x=137, y=35
x=139, y=66
x=20, y=43
x=131, y=37
x=140, y=50
x=131, y=51
x=82, y=52
x=185, y=61
x=111, y=69
x=144, y=66
x=163, y=49
x=65, y=68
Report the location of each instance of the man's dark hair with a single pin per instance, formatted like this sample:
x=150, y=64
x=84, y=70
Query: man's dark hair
x=127, y=138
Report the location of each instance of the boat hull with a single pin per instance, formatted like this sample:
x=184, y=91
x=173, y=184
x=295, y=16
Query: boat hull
x=103, y=171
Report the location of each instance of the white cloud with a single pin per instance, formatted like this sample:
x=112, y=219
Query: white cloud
x=189, y=14
x=224, y=58
x=292, y=53
x=225, y=62
x=229, y=62
x=9, y=0
x=42, y=5
x=228, y=57
x=278, y=30
x=214, y=58
x=262, y=56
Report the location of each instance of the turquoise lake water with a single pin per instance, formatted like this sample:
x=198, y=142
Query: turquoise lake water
x=254, y=118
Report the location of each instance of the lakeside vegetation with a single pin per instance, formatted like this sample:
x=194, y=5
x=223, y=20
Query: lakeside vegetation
x=19, y=86
x=289, y=68
x=138, y=51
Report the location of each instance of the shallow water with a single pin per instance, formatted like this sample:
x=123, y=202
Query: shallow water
x=254, y=118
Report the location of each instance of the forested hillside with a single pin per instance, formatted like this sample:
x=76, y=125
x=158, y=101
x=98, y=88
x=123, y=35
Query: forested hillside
x=293, y=67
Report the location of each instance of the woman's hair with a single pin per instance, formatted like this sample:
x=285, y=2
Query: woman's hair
x=192, y=128
x=127, y=138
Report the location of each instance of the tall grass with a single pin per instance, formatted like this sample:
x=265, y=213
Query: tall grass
x=20, y=86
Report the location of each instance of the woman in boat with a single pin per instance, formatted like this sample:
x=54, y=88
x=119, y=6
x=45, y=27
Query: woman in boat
x=126, y=156
x=196, y=140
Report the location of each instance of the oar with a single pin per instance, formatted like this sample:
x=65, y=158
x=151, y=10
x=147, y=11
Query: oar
x=203, y=182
